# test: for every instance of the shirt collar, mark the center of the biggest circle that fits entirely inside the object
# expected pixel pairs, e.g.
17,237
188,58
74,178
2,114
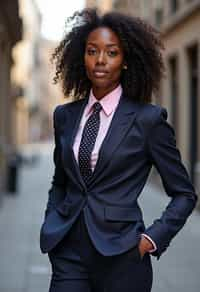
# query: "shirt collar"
109,102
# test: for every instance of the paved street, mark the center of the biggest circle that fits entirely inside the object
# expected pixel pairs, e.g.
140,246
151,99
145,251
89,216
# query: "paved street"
24,269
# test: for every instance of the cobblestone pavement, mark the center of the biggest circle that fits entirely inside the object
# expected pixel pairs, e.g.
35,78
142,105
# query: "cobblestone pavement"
24,269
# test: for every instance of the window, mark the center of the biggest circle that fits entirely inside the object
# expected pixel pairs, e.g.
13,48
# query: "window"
158,16
173,67
174,5
193,57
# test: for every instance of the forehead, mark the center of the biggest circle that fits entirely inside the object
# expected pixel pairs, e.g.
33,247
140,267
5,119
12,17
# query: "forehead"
103,35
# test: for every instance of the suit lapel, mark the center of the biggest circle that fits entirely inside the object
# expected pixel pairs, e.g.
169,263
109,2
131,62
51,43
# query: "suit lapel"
123,118
74,115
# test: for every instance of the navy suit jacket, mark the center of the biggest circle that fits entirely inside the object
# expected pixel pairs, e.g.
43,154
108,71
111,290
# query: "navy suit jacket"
138,137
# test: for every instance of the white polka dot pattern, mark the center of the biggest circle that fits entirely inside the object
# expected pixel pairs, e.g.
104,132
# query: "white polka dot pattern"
88,139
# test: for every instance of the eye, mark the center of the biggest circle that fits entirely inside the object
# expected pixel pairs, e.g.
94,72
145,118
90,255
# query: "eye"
91,51
112,53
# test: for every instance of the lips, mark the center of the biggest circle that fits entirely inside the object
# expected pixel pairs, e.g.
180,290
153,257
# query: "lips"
100,73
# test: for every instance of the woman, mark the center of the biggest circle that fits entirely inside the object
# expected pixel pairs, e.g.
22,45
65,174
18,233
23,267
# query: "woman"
106,142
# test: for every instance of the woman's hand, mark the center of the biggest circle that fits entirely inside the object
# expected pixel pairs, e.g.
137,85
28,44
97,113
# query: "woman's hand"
144,246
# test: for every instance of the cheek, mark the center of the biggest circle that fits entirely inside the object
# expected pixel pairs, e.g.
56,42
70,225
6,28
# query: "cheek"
87,62
89,65
117,64
116,69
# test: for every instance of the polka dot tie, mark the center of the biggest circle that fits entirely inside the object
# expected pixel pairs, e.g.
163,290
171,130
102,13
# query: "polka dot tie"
88,139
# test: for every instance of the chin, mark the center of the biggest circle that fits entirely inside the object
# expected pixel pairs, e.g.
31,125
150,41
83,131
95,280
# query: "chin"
101,83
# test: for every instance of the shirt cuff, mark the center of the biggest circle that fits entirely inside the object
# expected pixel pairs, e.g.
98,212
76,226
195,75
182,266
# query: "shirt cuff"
153,243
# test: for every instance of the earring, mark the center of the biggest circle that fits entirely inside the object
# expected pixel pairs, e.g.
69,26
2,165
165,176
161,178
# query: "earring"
125,67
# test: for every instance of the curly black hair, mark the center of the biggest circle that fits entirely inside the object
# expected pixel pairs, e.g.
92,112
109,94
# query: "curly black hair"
141,44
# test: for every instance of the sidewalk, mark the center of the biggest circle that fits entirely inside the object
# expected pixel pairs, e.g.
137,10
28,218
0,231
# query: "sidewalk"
24,269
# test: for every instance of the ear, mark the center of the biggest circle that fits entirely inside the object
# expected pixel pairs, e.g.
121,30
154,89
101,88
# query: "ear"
125,67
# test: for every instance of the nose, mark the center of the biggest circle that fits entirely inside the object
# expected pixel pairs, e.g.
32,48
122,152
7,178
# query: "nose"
101,58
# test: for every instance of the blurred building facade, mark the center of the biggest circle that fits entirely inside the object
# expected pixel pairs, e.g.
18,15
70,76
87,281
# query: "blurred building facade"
35,76
51,94
10,34
102,5
27,93
178,22
25,74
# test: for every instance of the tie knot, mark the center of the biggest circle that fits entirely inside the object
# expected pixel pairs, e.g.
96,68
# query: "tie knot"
97,107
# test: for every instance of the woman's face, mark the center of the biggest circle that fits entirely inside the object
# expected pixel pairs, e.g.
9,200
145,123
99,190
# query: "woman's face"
104,58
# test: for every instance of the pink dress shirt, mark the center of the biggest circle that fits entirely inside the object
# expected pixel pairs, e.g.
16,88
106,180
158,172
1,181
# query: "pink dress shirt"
109,104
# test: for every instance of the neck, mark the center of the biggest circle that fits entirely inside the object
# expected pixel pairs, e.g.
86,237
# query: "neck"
100,92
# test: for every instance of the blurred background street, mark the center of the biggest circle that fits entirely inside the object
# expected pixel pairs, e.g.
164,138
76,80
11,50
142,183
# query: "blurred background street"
29,32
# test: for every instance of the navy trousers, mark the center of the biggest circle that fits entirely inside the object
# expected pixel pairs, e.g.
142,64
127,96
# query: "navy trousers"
78,267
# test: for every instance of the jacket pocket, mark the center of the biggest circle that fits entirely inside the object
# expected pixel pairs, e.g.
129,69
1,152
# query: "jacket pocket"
122,214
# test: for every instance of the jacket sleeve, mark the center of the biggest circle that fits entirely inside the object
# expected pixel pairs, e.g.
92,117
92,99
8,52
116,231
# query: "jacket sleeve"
59,182
166,157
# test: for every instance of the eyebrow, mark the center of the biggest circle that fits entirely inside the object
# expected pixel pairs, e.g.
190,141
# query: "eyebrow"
108,45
